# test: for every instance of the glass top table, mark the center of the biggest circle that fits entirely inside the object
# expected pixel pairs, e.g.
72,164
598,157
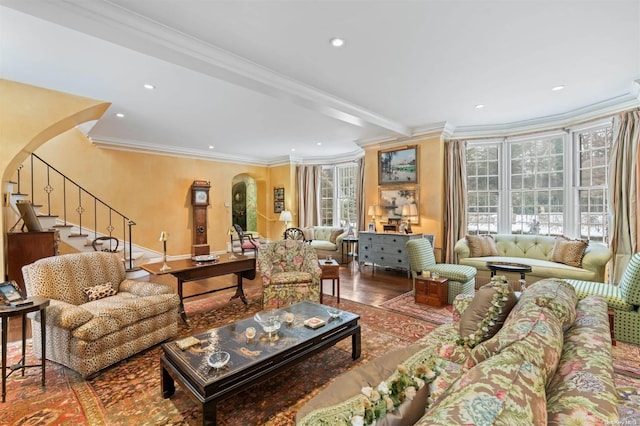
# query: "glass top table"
252,360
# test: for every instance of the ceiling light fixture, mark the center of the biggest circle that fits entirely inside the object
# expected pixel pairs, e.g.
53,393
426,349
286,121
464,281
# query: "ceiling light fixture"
557,88
479,106
210,146
319,143
293,149
149,86
337,42
120,115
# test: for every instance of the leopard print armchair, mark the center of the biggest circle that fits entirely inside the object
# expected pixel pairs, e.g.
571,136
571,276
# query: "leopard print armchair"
97,317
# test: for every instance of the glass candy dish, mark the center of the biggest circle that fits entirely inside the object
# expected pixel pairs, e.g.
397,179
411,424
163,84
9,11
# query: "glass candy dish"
218,359
270,321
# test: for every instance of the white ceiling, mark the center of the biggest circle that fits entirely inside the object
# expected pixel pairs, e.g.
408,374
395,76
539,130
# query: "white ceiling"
255,79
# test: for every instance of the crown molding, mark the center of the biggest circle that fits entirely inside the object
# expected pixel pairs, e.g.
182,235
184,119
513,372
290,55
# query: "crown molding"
591,112
118,25
146,148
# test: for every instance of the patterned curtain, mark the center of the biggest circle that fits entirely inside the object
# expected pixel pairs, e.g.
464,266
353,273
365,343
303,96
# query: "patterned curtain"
455,200
624,183
308,195
360,209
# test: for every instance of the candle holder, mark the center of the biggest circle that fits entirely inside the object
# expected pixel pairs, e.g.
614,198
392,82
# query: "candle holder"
164,237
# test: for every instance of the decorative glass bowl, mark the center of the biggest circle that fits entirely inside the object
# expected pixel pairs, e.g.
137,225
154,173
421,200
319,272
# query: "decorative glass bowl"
270,321
218,359
333,312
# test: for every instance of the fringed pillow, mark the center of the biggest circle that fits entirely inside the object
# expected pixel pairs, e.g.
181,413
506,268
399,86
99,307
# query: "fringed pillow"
482,245
570,252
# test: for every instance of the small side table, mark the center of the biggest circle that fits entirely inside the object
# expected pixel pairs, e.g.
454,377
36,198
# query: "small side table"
350,243
6,312
432,291
330,271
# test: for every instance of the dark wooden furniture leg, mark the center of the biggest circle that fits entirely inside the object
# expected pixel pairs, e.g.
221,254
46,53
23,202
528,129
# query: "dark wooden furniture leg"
43,341
4,357
240,290
356,344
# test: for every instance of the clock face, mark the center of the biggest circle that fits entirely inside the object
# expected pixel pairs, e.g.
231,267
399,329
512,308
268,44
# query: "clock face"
201,196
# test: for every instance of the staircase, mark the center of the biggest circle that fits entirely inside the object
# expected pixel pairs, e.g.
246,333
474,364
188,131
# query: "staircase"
84,217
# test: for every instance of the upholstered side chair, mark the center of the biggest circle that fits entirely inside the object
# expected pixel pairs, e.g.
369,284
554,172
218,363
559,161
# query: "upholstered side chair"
290,273
421,258
247,242
623,299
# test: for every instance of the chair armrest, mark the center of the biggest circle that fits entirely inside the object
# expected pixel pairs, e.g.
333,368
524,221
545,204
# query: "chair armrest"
65,315
595,259
462,249
144,288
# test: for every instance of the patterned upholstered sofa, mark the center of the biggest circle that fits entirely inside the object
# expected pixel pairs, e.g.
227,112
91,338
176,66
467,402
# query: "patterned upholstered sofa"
88,335
290,273
623,299
536,251
550,363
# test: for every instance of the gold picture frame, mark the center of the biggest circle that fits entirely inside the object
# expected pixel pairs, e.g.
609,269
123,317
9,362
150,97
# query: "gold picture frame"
398,166
391,200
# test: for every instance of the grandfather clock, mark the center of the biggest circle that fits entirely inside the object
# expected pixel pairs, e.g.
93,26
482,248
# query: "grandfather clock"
200,203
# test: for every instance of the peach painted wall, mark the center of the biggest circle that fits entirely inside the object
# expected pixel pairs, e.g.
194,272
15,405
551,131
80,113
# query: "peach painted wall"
430,181
29,116
283,176
154,190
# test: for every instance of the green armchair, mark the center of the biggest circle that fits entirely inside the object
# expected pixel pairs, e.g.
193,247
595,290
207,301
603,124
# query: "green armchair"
290,273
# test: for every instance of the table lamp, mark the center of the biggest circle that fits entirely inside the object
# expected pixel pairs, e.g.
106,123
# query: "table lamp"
164,236
285,216
409,211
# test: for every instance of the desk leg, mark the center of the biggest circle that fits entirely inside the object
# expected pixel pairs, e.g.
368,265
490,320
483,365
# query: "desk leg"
239,290
183,314
24,342
209,413
43,342
5,320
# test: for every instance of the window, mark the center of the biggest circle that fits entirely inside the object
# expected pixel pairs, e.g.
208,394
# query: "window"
338,195
550,184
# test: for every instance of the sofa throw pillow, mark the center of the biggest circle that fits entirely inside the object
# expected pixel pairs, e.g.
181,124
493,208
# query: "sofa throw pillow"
487,311
567,251
334,235
99,291
482,245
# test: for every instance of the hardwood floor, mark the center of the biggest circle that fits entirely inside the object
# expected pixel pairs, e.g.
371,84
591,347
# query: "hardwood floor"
364,285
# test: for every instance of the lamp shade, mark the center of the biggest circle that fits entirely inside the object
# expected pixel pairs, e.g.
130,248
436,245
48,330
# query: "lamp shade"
410,210
285,216
371,211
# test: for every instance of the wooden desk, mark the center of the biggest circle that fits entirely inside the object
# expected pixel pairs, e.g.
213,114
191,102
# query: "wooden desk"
186,270
6,312
330,271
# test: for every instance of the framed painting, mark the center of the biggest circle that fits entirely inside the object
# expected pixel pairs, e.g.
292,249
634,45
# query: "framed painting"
399,166
278,206
392,200
278,194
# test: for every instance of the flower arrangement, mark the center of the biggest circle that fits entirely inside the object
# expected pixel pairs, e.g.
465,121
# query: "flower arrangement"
500,284
401,386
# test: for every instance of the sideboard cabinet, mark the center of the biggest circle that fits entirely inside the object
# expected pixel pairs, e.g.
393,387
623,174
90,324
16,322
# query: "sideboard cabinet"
26,247
385,249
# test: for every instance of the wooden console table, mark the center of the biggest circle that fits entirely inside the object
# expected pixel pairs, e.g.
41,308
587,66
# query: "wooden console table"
186,270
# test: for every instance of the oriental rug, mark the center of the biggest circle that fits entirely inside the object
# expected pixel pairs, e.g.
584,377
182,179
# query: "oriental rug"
128,393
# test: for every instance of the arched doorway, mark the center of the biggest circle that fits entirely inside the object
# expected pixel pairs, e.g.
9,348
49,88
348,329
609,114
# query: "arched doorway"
244,202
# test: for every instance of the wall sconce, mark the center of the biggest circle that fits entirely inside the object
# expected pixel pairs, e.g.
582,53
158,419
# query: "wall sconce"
409,211
285,216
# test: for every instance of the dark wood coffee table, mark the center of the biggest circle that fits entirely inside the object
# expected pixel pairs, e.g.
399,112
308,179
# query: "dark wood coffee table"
186,270
252,360
518,268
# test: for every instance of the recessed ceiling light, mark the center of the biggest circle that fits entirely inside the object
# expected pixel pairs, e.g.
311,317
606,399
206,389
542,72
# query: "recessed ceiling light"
337,42
319,143
557,88
119,115
479,106
149,86
210,146
293,149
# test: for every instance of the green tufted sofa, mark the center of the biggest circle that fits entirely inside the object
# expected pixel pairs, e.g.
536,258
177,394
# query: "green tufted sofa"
535,251
550,363
87,335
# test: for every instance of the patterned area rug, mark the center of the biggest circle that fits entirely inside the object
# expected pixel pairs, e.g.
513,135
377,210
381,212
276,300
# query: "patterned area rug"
128,393
405,304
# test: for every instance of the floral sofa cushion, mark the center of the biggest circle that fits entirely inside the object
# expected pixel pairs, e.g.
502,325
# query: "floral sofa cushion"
583,386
